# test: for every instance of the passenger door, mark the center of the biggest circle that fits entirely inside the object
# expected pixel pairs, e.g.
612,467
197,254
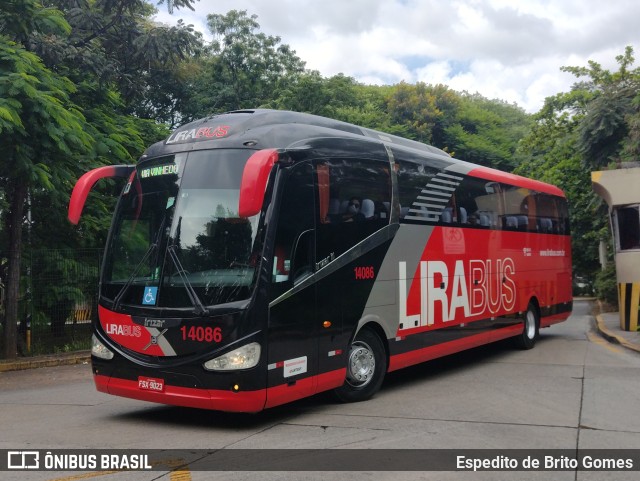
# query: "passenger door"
293,332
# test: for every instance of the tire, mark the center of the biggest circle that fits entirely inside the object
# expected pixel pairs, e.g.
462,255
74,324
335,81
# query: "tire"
527,339
366,367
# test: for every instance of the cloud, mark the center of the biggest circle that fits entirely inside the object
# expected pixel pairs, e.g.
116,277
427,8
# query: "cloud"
508,49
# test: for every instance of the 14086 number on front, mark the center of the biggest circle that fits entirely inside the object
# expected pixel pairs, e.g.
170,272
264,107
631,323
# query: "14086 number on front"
201,334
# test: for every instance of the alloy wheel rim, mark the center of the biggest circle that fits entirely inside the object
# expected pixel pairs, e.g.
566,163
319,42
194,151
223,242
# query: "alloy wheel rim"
531,325
362,364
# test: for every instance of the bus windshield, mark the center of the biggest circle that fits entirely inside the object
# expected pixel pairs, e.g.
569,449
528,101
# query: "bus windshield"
177,240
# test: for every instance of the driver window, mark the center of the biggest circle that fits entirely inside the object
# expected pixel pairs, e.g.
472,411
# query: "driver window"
295,238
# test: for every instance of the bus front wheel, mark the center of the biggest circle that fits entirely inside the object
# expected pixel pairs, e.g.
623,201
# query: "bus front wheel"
527,339
366,367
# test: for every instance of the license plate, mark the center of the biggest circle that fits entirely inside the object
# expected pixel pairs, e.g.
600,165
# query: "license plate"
150,384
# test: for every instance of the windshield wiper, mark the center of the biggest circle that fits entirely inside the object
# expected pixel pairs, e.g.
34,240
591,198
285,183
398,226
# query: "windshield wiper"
193,296
152,247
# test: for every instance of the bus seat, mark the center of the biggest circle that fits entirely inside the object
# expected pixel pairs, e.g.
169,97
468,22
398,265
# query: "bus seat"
463,216
511,222
382,210
546,225
368,209
334,206
523,222
446,216
387,209
333,213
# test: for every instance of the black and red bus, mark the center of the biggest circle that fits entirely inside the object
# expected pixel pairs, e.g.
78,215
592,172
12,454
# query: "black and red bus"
258,257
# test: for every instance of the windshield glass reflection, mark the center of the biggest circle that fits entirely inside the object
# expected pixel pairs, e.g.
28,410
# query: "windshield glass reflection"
188,204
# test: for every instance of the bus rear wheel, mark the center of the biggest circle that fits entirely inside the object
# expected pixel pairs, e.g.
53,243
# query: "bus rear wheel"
527,339
366,367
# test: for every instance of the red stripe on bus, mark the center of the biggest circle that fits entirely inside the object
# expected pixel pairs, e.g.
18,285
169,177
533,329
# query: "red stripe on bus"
331,379
222,400
410,358
302,388
242,401
554,319
499,176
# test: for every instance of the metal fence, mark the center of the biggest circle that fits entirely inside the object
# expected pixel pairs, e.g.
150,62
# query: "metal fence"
58,300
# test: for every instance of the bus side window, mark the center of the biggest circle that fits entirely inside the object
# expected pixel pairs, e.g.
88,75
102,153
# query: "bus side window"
357,196
302,255
413,178
478,203
553,215
515,211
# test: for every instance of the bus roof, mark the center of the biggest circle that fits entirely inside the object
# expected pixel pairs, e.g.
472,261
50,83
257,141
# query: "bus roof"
263,128
513,179
279,129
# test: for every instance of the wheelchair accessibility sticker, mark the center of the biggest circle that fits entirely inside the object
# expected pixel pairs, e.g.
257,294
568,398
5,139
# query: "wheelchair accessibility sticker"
149,297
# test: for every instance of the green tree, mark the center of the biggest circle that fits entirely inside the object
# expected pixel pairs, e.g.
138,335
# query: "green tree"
19,19
71,74
415,107
470,127
41,130
360,104
305,93
243,68
116,44
484,131
631,146
172,4
608,132
339,97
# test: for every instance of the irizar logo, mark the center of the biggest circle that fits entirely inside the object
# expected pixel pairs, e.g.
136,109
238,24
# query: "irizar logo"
477,288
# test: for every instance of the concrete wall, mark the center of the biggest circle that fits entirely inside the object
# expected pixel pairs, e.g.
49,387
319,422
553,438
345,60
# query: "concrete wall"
618,188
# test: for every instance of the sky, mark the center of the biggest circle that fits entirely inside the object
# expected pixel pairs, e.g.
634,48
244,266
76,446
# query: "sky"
503,49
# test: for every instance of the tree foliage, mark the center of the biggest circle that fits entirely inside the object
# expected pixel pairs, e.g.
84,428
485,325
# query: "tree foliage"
609,130
67,92
593,126
40,130
549,153
243,67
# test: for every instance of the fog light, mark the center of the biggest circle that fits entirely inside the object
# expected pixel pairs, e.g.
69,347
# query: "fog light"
244,357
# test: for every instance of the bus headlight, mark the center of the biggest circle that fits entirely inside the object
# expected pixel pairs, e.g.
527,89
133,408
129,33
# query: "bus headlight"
100,350
244,357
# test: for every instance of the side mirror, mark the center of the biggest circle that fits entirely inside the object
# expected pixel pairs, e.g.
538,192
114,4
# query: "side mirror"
87,181
254,181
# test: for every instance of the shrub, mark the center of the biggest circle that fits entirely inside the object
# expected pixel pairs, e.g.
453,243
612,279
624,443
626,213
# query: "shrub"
606,285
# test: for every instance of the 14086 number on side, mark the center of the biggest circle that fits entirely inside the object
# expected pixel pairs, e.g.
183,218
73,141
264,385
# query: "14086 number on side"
201,334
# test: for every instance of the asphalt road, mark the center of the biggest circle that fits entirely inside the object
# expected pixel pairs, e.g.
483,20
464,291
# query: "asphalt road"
573,390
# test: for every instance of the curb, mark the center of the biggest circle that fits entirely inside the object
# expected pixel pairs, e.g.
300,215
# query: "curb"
614,338
80,357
